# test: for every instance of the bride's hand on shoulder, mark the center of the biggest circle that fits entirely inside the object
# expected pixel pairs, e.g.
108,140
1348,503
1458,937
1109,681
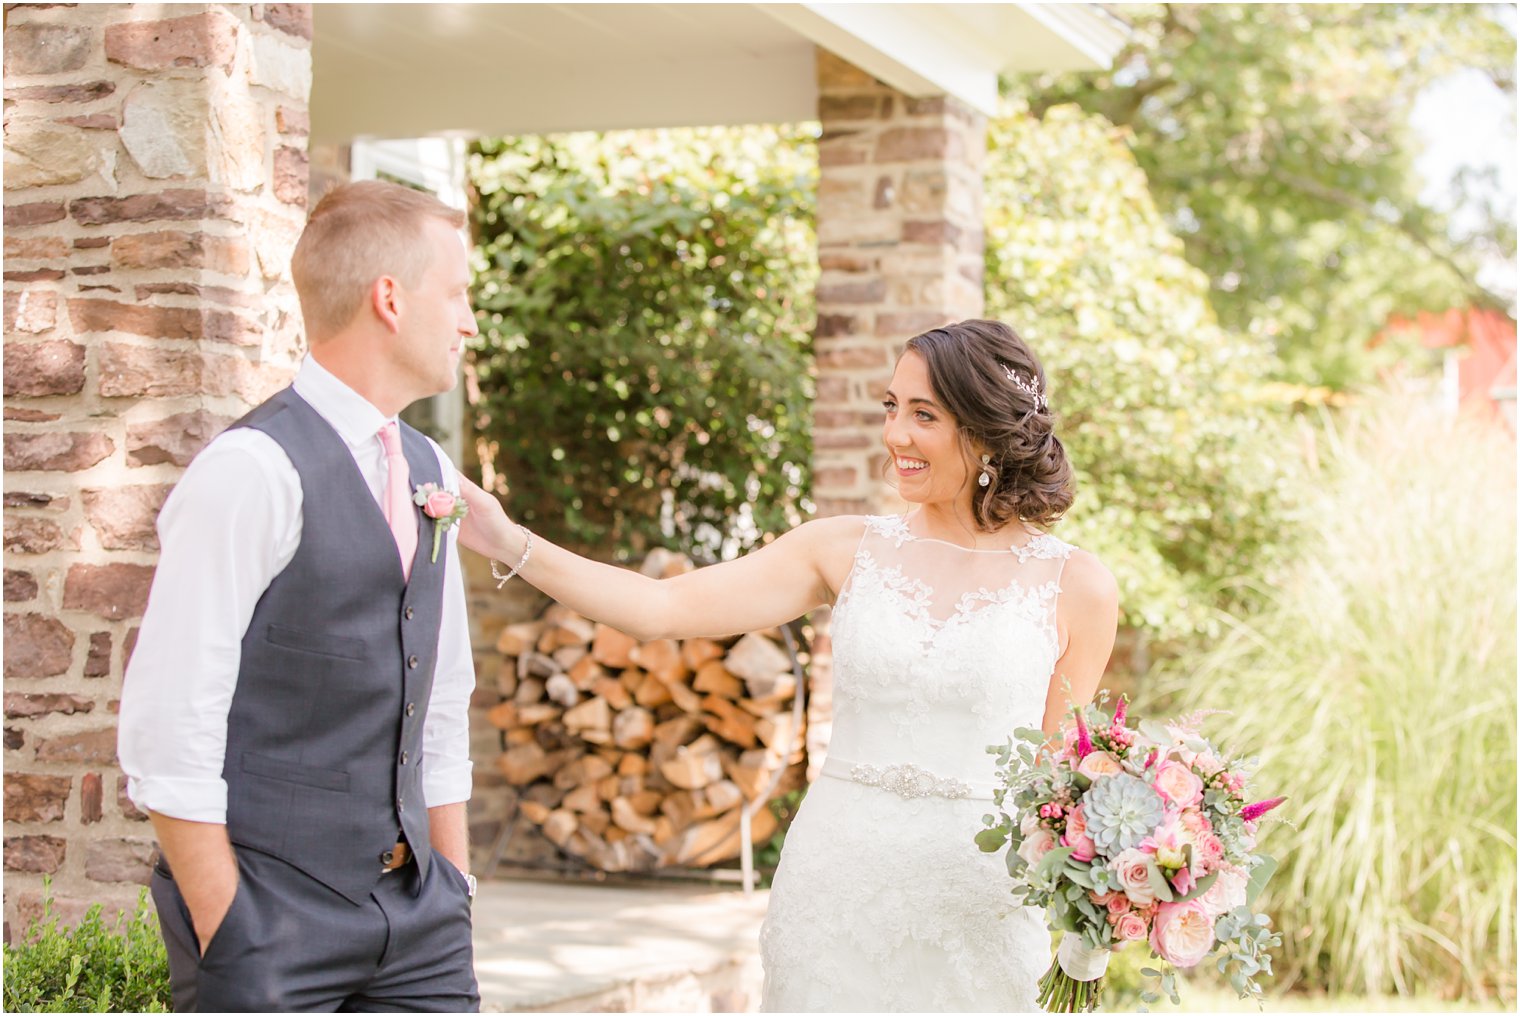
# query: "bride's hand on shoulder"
485,528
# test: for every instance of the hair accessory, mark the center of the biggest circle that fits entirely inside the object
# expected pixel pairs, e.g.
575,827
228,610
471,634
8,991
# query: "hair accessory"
527,550
1030,387
986,477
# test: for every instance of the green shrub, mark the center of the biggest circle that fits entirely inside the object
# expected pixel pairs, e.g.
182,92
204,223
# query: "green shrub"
645,302
90,968
1378,687
1175,441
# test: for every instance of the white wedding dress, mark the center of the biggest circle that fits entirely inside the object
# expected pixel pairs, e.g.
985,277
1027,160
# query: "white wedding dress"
883,902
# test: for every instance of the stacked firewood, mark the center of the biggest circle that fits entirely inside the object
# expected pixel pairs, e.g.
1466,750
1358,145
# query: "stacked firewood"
635,755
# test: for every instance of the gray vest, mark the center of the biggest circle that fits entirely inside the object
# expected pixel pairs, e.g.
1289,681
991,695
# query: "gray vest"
324,737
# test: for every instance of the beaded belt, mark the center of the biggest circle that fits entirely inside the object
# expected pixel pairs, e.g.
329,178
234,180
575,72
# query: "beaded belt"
905,780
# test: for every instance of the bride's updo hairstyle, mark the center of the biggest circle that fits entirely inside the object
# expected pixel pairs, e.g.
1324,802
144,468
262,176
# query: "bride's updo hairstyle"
992,383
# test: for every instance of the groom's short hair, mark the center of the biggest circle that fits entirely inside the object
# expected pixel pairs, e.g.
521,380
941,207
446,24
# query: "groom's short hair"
357,233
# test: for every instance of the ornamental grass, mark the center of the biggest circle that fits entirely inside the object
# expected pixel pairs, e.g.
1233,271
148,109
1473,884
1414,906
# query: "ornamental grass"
1381,677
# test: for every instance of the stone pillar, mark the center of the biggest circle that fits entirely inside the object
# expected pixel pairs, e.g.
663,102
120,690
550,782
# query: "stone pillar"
155,183
900,246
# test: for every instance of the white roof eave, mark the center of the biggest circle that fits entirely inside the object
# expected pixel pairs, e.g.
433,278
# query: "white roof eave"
958,49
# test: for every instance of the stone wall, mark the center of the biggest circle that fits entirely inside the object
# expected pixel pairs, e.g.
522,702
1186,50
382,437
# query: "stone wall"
155,184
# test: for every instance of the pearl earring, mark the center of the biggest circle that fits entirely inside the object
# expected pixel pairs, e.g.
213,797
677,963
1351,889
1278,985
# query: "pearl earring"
986,478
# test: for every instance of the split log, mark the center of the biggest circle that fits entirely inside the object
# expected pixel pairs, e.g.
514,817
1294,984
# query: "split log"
633,755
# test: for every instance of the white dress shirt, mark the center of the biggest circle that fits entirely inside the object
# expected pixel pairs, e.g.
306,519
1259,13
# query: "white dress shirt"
228,529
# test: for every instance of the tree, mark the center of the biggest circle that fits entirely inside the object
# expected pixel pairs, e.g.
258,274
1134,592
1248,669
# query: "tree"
1178,449
1277,141
643,369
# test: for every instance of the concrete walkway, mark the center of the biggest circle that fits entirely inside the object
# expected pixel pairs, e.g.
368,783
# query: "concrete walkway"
572,947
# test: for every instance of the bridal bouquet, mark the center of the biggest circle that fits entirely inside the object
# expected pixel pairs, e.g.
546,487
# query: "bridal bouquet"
1133,835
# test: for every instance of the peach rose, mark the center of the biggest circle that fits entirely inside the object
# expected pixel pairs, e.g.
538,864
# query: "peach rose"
1130,928
1179,784
1183,933
1099,763
1036,845
1132,869
1118,904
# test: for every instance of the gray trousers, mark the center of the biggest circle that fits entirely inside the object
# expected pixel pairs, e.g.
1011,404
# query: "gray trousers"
290,944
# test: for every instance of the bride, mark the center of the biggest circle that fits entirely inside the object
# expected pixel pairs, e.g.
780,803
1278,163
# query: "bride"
953,624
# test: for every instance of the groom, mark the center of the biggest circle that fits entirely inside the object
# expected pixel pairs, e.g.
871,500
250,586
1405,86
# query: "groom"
294,717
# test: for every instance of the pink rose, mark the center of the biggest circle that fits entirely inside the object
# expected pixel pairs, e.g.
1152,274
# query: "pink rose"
1179,784
1227,892
1084,849
1099,763
1130,928
1036,845
1118,904
1132,870
440,504
1183,933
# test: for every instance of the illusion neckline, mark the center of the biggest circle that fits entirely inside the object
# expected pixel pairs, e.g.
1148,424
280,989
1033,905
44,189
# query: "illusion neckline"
1020,549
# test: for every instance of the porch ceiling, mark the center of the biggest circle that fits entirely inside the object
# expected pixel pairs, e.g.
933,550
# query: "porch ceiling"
418,70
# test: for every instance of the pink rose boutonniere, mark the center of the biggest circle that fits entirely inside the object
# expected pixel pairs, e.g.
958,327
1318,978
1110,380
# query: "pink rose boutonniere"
445,509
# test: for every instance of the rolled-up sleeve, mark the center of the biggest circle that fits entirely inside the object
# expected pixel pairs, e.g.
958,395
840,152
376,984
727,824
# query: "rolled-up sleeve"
228,528
446,765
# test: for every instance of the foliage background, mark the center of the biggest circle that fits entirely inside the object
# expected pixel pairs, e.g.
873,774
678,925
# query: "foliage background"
1176,441
646,307
1276,139
1377,686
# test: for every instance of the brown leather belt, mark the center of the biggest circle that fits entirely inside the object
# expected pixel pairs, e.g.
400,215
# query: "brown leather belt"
395,857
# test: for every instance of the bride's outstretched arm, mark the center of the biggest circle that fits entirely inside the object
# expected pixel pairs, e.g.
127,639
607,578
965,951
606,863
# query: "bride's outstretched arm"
1088,612
770,586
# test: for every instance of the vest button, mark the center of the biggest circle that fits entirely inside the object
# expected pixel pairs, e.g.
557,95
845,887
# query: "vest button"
404,757
411,708
398,803
387,857
409,613
411,662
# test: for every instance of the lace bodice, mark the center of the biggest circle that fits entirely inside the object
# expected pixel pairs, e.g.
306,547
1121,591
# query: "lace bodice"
940,651
882,901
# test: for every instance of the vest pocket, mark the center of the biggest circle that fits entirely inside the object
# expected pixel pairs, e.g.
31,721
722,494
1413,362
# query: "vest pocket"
319,643
290,772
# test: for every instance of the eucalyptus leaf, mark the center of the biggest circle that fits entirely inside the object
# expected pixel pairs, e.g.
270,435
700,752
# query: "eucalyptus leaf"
992,839
1260,874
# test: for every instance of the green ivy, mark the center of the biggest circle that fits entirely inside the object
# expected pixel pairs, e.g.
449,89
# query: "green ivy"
90,968
645,303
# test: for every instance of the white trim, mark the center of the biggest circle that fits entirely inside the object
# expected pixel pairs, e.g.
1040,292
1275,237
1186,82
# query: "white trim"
957,49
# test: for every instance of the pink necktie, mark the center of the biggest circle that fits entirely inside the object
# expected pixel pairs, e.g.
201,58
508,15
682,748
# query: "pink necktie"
398,497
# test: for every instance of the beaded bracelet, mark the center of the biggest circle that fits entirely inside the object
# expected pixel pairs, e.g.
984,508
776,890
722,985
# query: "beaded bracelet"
527,549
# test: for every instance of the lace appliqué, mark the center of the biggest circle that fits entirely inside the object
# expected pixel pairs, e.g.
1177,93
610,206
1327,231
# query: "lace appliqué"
893,527
1042,547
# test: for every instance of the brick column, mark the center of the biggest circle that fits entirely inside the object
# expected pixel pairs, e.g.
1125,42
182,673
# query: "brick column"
900,244
155,183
